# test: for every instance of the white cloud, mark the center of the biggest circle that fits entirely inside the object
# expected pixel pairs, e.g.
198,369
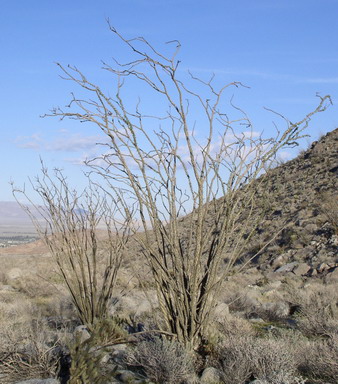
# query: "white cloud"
65,142
29,142
73,143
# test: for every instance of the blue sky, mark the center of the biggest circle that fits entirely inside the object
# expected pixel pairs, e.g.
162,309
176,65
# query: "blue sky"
285,51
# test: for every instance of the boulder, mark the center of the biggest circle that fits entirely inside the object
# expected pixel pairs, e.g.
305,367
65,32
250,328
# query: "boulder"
211,375
287,267
322,267
279,309
332,276
82,333
119,353
301,269
302,254
313,272
279,261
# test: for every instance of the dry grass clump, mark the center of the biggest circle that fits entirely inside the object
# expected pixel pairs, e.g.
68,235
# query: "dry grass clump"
311,351
15,309
162,361
268,360
28,297
235,326
274,362
329,208
318,313
273,311
27,350
254,303
243,301
3,278
319,359
242,355
230,326
34,286
233,359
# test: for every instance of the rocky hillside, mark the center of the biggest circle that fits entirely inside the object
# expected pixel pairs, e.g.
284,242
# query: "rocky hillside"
303,199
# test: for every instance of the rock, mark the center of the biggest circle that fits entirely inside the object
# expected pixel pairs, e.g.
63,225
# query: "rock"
119,353
125,376
272,276
287,267
301,269
39,381
332,276
275,284
211,375
322,267
82,333
256,320
334,240
280,309
279,261
137,303
301,254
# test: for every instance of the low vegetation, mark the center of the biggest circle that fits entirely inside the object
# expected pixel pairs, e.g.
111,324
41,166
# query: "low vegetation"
43,337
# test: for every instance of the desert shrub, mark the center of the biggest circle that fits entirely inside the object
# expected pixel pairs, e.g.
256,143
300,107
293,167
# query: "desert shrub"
72,225
162,361
274,311
3,278
329,208
232,326
33,286
320,359
27,350
318,314
273,362
244,302
150,173
253,303
247,358
233,359
221,333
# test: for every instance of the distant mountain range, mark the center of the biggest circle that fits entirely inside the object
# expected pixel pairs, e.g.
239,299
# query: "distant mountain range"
14,220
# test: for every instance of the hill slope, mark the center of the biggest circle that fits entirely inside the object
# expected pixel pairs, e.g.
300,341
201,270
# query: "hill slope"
303,193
